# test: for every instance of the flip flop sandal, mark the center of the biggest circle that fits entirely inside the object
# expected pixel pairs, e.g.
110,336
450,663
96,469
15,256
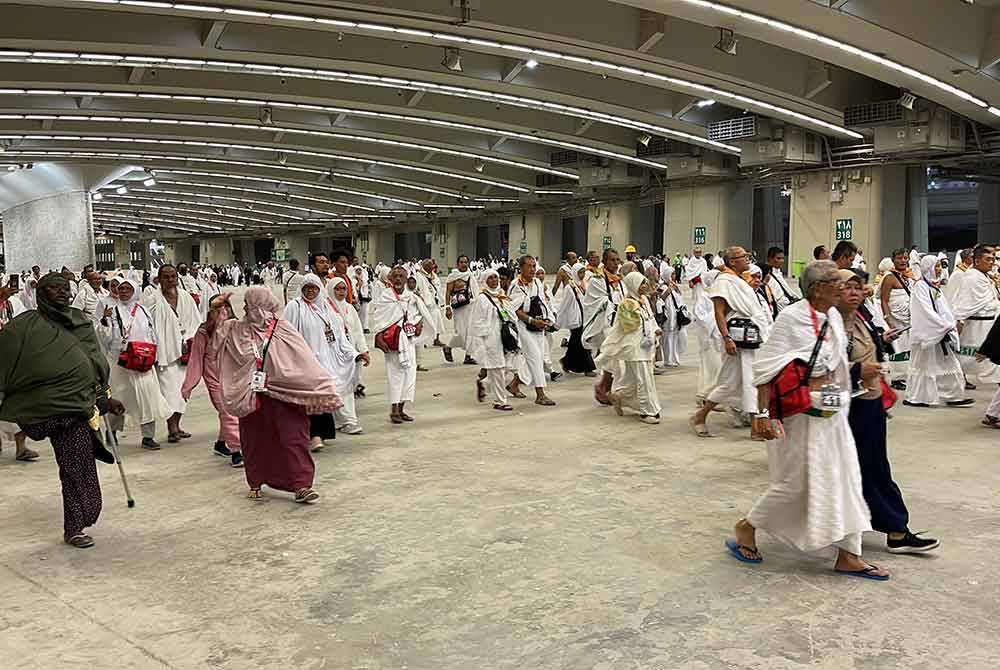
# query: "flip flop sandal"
405,417
26,455
395,418
700,429
183,434
306,496
173,438
255,494
447,355
737,549
80,541
991,422
516,394
866,573
503,408
546,402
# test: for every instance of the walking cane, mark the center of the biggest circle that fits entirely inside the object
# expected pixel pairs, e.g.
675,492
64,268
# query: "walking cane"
112,441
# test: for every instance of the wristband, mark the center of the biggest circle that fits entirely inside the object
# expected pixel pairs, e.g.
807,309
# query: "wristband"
727,337
762,414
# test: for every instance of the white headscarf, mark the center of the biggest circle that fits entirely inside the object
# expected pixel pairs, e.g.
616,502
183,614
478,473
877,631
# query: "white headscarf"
930,315
927,263
495,292
139,327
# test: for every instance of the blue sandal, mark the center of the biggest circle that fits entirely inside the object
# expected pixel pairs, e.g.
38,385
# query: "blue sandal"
734,548
864,574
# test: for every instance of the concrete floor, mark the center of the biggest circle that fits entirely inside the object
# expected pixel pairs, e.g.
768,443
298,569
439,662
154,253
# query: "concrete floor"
548,538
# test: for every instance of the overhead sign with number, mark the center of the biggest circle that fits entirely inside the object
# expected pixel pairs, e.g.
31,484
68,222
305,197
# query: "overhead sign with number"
844,229
699,235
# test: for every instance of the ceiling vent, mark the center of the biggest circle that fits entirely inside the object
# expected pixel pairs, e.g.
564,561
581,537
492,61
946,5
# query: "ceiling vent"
571,158
874,114
660,146
733,129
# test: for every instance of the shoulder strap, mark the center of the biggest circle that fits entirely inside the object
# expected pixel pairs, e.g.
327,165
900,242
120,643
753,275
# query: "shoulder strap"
815,352
902,283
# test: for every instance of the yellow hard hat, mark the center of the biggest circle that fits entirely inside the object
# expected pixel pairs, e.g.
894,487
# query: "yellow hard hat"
630,249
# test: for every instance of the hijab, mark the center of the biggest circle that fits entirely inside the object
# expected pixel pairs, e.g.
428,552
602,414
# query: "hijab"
633,280
497,292
294,375
927,263
59,367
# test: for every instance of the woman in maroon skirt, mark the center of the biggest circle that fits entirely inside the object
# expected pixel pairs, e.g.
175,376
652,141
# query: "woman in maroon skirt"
272,382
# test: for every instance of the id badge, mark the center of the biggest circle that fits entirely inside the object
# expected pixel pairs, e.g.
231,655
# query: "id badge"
329,335
258,381
830,398
409,329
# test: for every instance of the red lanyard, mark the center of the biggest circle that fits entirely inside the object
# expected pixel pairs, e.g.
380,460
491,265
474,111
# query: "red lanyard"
815,320
316,312
267,343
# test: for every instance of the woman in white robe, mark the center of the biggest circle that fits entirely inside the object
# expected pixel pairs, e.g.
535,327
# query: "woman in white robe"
631,344
673,342
397,306
138,391
526,291
326,334
708,336
814,499
209,287
363,290
935,373
550,303
489,311
461,288
355,329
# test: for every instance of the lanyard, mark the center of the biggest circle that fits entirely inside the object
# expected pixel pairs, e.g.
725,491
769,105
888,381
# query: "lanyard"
126,332
815,323
316,312
253,342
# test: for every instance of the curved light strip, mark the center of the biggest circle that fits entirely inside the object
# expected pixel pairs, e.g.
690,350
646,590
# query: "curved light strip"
138,222
12,55
245,189
244,199
167,120
286,182
205,207
72,153
564,59
197,227
114,216
836,44
105,202
282,150
349,111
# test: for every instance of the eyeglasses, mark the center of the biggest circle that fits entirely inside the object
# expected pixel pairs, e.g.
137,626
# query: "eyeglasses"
739,258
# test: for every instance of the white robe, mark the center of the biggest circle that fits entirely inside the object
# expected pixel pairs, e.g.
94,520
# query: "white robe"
138,391
978,298
673,342
532,368
172,330
88,300
781,289
484,332
600,303
400,366
462,317
814,498
934,376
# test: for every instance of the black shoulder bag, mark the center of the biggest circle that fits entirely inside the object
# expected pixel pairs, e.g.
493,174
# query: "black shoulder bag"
508,334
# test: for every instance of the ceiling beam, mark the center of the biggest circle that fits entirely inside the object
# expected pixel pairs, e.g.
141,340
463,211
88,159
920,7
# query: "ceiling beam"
817,79
652,28
414,99
511,73
211,32
990,54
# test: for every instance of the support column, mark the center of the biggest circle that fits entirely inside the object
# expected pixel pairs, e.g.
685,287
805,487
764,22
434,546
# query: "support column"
445,245
711,217
50,232
123,253
296,246
610,226
870,205
916,207
989,212
525,235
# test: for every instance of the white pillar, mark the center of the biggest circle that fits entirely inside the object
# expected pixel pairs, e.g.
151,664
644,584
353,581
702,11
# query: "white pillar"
49,232
711,217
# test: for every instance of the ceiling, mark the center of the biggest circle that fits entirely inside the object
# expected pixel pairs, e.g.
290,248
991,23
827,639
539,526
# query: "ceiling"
261,116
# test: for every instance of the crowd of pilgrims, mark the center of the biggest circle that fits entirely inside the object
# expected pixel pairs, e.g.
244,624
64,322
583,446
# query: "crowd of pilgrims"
813,367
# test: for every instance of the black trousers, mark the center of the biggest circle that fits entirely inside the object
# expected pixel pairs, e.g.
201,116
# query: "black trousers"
577,359
885,501
322,426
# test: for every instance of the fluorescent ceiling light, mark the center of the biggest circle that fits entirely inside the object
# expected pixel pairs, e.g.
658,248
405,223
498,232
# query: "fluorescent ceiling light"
580,62
271,150
121,190
531,63
705,103
429,87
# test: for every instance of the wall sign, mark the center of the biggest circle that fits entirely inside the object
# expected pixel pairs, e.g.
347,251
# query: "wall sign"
699,235
606,242
524,247
844,229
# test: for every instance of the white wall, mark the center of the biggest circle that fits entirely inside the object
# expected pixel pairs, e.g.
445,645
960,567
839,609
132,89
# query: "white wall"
50,232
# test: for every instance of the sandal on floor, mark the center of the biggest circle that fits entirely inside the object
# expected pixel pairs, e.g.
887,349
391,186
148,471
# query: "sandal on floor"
173,438
405,417
183,434
26,455
545,402
480,391
395,418
255,494
80,541
866,573
447,354
700,429
737,549
515,394
503,408
991,421
306,496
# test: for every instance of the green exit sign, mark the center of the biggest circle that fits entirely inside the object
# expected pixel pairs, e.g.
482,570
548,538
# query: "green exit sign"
844,229
606,242
699,235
